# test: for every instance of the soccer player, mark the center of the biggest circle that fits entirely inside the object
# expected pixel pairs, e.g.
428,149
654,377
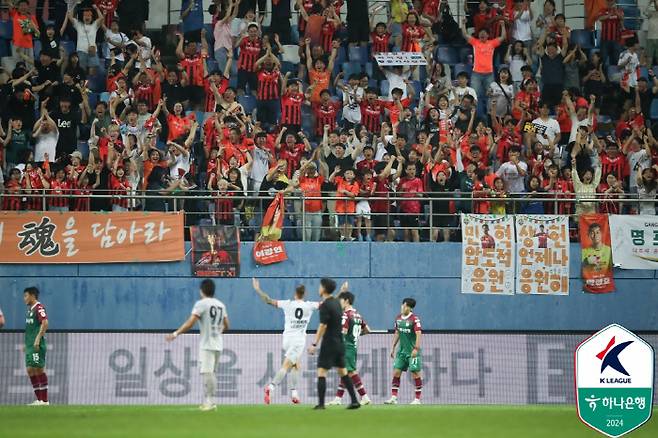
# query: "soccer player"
36,324
213,321
297,314
408,334
332,351
353,327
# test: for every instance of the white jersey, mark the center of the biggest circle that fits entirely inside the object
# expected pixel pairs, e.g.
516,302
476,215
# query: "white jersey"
297,316
211,313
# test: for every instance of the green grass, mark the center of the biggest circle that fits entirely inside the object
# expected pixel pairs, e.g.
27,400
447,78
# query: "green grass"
298,422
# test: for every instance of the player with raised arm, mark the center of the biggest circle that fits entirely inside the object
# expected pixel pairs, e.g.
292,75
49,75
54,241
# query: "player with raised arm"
297,314
332,351
408,334
353,327
36,324
213,321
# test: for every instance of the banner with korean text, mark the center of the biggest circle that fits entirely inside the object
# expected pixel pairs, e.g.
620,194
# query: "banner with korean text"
487,254
634,241
385,59
86,237
596,253
542,258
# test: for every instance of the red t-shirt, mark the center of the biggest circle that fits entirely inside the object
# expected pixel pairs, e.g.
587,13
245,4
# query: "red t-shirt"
178,125
348,205
483,55
410,188
312,187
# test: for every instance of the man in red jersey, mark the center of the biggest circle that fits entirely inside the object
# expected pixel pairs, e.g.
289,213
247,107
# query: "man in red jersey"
291,104
193,66
411,187
268,94
250,46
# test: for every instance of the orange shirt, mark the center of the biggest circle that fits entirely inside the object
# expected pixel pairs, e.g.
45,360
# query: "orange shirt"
322,78
349,205
483,55
20,22
312,187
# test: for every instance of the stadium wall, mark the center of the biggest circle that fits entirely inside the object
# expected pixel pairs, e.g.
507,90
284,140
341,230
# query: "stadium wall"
160,295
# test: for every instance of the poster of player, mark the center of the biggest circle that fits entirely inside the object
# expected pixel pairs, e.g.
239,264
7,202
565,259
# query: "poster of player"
215,251
487,254
542,257
596,253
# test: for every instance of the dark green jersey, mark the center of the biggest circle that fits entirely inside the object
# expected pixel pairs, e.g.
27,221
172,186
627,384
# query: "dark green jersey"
353,325
407,327
33,319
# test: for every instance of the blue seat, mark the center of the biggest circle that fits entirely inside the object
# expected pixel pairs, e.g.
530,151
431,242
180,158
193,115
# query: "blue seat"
466,55
350,68
614,74
212,65
93,100
644,72
373,83
462,68
6,30
654,110
341,56
383,87
69,46
105,97
248,102
418,88
358,54
37,47
583,37
288,67
210,36
446,55
368,69
97,83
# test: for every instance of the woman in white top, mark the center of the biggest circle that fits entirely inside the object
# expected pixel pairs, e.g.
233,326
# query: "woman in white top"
647,186
116,41
516,57
501,92
222,33
86,30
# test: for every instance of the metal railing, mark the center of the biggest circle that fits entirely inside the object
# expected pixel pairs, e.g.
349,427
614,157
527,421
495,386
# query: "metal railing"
392,223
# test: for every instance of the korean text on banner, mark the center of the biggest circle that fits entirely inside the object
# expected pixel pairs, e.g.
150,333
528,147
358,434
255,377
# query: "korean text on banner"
634,241
86,237
400,58
542,258
487,254
215,251
596,253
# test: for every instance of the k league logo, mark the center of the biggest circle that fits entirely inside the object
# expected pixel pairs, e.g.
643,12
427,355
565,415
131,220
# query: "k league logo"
614,381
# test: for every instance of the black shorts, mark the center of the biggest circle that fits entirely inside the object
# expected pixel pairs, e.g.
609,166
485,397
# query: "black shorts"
331,355
380,223
196,95
410,220
357,31
247,77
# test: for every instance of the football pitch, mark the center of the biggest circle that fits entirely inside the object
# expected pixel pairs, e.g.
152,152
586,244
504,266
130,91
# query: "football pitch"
298,421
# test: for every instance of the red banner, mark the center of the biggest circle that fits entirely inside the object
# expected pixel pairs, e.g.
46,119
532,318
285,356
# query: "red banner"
86,237
267,252
267,248
596,253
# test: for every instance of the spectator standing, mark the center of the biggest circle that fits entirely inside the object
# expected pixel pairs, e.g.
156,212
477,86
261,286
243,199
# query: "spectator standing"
647,187
585,186
86,43
513,172
522,30
483,52
612,23
310,183
411,186
357,22
25,30
552,75
191,15
651,50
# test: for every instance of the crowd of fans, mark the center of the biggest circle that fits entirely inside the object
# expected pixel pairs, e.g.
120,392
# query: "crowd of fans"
509,114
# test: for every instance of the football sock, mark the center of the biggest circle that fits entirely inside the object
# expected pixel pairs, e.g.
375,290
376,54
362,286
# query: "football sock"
209,386
322,389
395,386
36,382
278,377
43,387
419,386
356,379
341,390
347,383
294,378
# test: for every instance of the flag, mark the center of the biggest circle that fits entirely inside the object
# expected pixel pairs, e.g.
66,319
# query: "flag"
596,253
267,247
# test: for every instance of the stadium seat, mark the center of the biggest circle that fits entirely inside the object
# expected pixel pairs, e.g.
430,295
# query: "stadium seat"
583,37
654,110
248,102
37,47
105,97
373,83
210,36
644,72
383,87
212,65
368,69
350,68
341,56
69,46
466,55
446,55
6,30
93,100
614,74
97,82
418,88
288,67
462,68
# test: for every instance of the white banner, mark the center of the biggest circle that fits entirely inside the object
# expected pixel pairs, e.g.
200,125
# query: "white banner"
487,254
634,241
542,258
400,58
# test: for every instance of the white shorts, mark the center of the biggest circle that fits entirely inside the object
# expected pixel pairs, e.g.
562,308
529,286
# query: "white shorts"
363,209
294,348
209,361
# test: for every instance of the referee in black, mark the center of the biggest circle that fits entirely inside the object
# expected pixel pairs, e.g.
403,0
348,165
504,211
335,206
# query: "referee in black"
332,351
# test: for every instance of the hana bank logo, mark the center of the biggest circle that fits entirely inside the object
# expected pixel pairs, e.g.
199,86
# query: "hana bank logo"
609,357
